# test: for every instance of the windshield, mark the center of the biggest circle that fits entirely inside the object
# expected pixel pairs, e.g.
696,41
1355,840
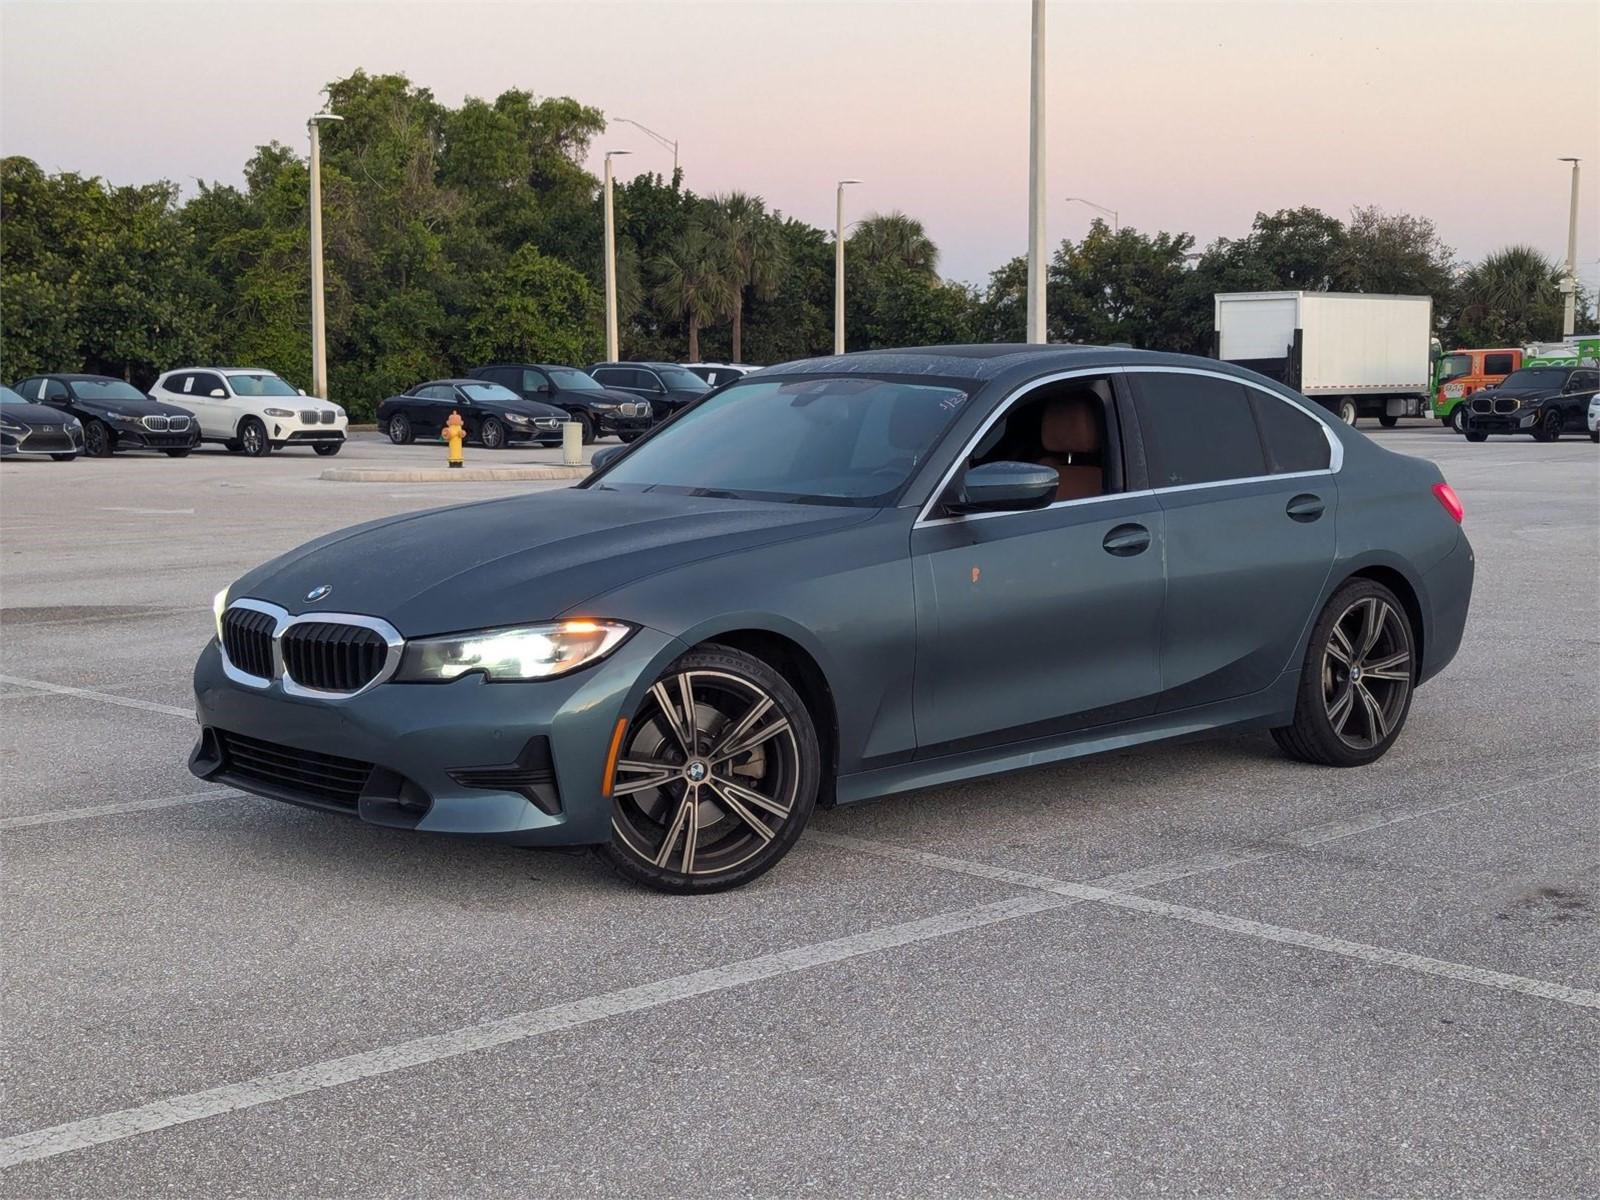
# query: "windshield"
7,396
106,389
1453,365
570,380
490,393
679,380
1536,377
264,384
850,440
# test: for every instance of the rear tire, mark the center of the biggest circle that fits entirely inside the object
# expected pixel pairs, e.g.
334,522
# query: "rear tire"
400,430
688,815
1548,427
1356,682
1348,413
253,438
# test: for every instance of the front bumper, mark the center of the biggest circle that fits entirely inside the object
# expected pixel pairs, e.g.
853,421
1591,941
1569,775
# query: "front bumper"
1518,422
612,421
39,443
136,438
422,739
1447,592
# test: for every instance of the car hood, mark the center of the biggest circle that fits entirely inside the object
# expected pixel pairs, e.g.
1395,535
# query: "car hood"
527,408
34,414
525,558
132,408
604,396
1520,392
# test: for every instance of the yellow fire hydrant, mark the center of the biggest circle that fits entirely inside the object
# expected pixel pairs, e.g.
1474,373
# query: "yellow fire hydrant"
455,433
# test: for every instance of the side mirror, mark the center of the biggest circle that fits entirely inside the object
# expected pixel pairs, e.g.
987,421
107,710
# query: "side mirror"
604,458
219,394
302,391
1004,487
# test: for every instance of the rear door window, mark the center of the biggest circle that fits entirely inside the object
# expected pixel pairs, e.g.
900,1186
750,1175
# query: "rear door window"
1584,381
205,383
1499,364
1293,440
1196,429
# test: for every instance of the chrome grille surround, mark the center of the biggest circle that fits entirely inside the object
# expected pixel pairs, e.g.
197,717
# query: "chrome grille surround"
283,620
155,423
1507,405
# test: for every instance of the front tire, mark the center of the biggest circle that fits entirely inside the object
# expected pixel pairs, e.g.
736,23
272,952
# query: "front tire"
183,453
97,439
253,438
1476,435
328,449
493,434
585,428
1548,428
718,774
1356,682
63,457
1458,418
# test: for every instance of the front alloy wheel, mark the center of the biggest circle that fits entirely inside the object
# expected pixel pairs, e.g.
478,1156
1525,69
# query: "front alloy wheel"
716,778
253,438
493,434
1549,427
1355,685
97,440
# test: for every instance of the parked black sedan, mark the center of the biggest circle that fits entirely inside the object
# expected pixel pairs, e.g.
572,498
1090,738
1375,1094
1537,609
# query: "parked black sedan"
115,415
34,431
667,387
494,416
598,410
1544,402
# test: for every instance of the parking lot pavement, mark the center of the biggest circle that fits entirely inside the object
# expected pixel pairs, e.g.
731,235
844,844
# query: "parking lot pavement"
1196,968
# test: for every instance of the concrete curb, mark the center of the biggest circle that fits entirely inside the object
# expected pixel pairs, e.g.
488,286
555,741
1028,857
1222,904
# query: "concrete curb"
446,475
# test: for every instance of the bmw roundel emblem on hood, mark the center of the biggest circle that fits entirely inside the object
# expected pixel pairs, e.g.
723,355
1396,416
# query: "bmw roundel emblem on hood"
319,593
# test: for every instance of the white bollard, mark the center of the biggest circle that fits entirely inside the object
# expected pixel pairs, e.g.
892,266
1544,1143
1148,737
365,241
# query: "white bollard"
571,443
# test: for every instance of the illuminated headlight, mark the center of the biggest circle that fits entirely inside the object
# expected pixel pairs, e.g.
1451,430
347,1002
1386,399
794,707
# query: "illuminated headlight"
518,419
525,652
219,605
278,412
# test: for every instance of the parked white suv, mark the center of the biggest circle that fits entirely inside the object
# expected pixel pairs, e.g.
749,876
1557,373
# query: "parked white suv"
253,412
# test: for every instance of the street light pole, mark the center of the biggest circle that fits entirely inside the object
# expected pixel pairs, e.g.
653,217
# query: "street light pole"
1116,223
1569,285
662,140
611,264
838,267
319,320
1036,265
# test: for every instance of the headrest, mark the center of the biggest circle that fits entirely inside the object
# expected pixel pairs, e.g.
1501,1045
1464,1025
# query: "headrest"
1071,424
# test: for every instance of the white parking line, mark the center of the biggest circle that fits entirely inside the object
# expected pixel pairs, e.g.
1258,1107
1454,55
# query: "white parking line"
196,1106
39,685
29,820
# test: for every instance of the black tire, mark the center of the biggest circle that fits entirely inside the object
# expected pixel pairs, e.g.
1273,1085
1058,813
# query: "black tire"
729,837
1346,712
328,449
183,453
1594,435
1388,422
1458,418
1548,427
400,432
1476,435
232,446
98,440
253,441
1348,412
493,434
586,425
628,439
63,457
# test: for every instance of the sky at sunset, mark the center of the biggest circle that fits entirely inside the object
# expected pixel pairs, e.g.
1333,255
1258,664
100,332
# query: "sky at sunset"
1186,116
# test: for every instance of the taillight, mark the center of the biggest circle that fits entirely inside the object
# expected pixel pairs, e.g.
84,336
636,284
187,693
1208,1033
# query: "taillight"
1446,495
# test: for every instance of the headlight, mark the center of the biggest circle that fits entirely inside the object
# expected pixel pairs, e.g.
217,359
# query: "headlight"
337,411
517,418
526,652
219,605
125,419
278,412
11,426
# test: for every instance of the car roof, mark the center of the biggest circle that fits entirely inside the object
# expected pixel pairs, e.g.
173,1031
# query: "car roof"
79,375
986,362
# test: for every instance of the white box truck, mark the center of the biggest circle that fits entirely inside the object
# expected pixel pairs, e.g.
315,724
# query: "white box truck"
1355,354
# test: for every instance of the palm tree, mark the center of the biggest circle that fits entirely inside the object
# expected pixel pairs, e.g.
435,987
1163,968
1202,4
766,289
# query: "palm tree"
1512,296
755,252
694,281
894,238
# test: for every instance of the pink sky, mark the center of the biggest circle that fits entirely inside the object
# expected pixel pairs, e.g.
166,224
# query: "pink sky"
1182,116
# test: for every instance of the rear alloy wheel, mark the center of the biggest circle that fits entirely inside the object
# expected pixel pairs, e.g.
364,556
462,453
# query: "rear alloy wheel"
1355,686
253,438
400,429
493,434
1548,427
1458,418
97,440
1347,411
717,775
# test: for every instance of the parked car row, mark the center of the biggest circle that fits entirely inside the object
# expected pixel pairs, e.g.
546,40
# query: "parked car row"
1543,402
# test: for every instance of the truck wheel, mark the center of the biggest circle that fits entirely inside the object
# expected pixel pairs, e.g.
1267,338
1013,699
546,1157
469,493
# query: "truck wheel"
1347,411
1548,428
1458,418
1388,422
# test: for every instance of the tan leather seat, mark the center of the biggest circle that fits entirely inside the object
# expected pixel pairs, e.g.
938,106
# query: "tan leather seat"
1069,433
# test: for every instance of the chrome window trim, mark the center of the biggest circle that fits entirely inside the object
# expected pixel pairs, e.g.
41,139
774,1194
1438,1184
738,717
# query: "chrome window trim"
1335,446
284,620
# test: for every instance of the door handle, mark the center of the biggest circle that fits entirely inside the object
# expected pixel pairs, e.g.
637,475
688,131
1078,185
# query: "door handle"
1305,508
1127,540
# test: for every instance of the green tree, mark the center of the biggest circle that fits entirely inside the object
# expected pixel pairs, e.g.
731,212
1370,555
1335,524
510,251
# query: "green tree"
755,252
694,281
538,309
1511,297
1120,286
881,239
1393,254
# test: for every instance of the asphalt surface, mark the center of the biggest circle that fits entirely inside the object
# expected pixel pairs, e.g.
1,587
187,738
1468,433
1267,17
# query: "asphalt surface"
1192,969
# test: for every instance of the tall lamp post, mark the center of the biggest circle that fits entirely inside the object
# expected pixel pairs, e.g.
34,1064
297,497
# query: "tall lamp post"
611,263
319,319
662,140
1116,224
1569,285
838,267
1036,200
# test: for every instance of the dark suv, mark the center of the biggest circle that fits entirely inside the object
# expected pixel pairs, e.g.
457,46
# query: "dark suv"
115,414
599,410
1542,401
666,386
